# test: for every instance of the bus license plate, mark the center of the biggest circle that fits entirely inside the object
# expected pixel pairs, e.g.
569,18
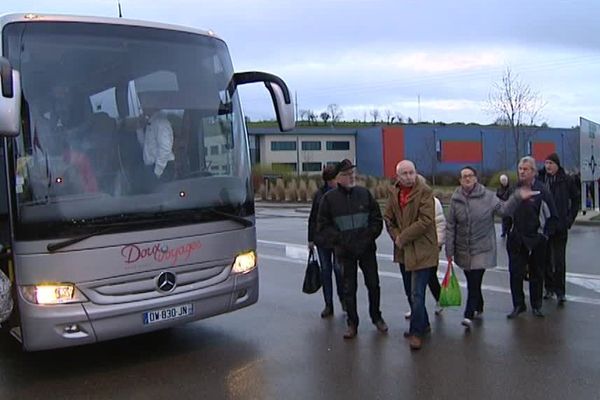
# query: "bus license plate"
168,313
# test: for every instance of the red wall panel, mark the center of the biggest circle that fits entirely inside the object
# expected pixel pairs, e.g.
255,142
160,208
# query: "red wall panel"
393,149
461,151
541,150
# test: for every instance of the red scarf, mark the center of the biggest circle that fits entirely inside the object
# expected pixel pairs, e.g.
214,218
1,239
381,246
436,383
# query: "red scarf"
403,194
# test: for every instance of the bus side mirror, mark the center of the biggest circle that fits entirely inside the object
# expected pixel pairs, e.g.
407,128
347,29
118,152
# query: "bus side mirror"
10,99
280,95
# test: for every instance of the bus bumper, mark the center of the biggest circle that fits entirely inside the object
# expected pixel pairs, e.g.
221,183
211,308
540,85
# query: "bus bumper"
47,327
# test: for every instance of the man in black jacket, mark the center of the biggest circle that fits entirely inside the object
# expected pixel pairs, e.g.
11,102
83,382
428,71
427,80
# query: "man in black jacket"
350,220
533,222
326,256
566,195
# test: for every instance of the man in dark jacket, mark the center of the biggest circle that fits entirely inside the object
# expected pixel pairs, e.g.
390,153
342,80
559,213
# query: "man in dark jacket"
565,193
326,256
533,222
350,220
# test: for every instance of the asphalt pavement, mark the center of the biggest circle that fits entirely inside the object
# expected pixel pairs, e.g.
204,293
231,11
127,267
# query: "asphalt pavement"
281,349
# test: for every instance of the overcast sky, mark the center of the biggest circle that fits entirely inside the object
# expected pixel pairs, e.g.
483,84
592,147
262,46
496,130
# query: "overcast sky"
388,54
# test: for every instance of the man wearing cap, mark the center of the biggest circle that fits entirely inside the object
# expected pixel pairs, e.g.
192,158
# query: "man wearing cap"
503,193
326,256
349,219
567,200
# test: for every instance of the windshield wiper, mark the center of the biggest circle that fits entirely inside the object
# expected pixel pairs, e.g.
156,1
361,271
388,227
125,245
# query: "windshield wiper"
52,247
241,220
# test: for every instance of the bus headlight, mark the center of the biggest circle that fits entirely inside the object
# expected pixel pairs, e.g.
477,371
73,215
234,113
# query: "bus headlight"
244,262
52,293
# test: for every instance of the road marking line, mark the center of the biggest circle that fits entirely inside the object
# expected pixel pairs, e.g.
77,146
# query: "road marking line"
396,275
300,252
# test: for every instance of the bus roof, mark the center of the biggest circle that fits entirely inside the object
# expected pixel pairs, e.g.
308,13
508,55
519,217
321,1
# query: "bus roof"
32,17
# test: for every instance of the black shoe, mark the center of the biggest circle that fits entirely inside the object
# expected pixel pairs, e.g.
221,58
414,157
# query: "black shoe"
561,299
516,311
381,326
351,332
548,294
537,312
327,312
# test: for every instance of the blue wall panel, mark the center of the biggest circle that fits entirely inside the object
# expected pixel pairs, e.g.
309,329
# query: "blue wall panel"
369,151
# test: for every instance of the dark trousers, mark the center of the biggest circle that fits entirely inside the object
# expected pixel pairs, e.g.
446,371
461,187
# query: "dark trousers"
368,265
519,257
329,264
555,271
433,283
474,295
506,225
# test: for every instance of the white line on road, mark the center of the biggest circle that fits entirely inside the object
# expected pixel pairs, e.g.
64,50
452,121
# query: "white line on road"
300,252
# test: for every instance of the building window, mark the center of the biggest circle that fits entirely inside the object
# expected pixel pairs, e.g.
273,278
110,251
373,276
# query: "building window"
214,150
283,167
311,145
311,166
283,145
338,145
332,163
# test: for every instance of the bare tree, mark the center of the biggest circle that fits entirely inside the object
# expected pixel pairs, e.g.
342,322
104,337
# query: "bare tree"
375,114
514,102
388,116
311,116
303,114
325,116
335,112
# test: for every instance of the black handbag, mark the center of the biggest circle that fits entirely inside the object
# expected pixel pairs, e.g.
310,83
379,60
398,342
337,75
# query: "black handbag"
312,276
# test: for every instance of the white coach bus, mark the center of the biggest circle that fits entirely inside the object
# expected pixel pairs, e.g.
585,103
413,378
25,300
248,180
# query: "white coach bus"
126,202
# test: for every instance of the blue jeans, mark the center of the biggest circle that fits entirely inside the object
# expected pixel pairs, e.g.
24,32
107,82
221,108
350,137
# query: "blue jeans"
419,320
328,264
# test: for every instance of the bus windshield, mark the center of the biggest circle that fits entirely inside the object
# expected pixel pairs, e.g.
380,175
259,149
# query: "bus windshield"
123,123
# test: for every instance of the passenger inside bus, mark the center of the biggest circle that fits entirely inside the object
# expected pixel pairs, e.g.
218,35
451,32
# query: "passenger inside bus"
156,138
59,127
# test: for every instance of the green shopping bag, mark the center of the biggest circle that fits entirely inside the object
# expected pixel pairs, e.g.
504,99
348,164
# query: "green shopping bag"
450,293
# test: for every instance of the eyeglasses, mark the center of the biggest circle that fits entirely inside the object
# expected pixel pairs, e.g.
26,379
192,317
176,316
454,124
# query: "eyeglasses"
347,173
469,176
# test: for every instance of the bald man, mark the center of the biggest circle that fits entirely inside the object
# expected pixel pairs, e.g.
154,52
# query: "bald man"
410,220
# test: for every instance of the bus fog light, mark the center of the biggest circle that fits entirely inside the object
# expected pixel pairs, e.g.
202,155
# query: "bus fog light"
51,294
74,328
244,262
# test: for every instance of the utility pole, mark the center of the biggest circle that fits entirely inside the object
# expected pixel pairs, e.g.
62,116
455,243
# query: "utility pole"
296,104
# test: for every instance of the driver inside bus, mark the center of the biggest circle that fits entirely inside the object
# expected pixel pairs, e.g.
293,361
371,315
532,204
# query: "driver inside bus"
155,135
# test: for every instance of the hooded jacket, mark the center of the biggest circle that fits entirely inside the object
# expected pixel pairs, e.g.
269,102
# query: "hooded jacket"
566,195
414,225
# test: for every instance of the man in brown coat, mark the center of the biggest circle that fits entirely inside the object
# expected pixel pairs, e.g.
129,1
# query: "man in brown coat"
410,221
